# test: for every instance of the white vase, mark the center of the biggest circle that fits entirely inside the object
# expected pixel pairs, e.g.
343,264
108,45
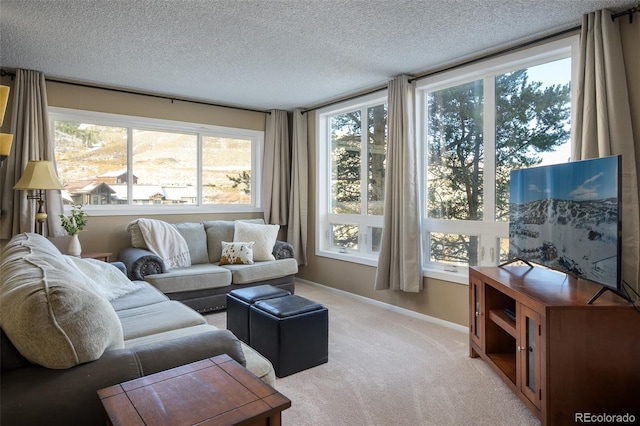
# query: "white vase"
74,248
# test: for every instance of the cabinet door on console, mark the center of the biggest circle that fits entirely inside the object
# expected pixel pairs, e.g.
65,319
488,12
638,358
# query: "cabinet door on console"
476,304
529,354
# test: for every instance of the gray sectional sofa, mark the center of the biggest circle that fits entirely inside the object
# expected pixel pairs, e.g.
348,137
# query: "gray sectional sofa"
204,284
73,326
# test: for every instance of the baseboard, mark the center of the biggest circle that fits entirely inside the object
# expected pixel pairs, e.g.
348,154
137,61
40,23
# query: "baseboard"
391,307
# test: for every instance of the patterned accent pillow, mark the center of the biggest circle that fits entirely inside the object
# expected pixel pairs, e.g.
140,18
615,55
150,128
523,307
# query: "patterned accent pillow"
237,253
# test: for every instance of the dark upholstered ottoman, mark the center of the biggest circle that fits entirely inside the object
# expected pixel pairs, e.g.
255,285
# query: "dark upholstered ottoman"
238,302
292,332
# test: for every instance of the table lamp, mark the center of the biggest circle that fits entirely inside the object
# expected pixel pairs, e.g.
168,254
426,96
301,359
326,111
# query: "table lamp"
39,176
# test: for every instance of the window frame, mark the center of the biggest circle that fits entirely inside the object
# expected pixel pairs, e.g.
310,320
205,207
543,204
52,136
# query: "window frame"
162,125
325,219
487,70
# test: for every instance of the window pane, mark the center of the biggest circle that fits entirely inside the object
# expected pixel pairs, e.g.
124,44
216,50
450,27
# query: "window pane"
376,238
226,170
344,236
345,163
453,249
533,109
455,152
164,168
377,143
91,160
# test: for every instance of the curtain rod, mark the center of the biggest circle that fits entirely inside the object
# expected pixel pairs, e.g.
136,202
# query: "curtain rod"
4,73
523,45
498,53
460,65
629,12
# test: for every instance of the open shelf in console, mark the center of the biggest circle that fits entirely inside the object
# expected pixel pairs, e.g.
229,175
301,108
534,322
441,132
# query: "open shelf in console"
499,317
500,332
495,303
506,363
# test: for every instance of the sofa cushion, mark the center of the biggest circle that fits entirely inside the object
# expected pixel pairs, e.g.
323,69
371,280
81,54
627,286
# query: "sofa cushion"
195,277
167,335
146,295
259,271
237,253
264,236
157,318
50,315
196,238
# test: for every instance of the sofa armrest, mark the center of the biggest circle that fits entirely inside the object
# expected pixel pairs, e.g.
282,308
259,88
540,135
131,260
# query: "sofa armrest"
38,395
140,263
282,250
167,354
121,266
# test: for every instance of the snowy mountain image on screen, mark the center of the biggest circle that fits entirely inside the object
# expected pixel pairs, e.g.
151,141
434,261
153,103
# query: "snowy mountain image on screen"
566,217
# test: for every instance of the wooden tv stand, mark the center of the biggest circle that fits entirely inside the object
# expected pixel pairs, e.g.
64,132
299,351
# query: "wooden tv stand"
561,356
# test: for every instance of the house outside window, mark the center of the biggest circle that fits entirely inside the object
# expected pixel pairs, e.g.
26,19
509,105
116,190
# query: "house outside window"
352,140
120,163
476,124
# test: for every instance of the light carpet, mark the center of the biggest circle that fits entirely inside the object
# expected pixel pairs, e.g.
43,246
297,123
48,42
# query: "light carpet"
388,368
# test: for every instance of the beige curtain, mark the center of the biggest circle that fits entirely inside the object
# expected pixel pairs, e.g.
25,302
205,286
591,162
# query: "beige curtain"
399,262
605,122
298,199
276,170
630,37
31,141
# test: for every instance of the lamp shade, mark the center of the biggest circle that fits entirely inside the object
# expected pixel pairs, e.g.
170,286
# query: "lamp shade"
4,97
39,175
5,144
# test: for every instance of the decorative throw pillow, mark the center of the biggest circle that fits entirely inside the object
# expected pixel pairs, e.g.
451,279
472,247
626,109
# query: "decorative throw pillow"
237,253
263,235
137,240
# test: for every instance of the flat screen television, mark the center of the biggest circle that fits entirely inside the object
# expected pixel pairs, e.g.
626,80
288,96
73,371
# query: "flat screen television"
567,217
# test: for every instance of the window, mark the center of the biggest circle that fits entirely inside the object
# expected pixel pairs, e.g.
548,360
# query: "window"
351,147
128,162
476,125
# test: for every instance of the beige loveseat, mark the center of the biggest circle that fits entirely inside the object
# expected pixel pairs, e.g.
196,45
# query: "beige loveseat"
72,326
204,283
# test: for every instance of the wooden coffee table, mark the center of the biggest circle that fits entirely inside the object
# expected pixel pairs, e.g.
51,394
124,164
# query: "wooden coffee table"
214,391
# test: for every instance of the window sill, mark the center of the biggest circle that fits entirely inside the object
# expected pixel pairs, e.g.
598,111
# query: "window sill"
454,277
151,210
349,257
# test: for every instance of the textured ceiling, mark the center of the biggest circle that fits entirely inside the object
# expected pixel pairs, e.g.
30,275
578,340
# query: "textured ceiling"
267,54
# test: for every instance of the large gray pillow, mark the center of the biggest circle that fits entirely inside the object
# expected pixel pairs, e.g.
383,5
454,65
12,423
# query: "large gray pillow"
196,239
219,231
51,316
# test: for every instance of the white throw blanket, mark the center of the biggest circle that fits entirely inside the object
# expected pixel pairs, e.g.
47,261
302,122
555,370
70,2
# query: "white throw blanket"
103,277
163,239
